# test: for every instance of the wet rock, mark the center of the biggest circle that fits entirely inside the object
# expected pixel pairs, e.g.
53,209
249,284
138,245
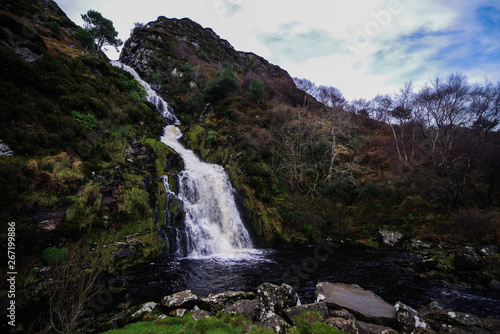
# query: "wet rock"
145,308
494,284
200,314
491,324
419,244
293,312
466,258
489,250
458,318
125,253
131,247
218,302
5,150
272,299
410,320
369,328
244,307
347,326
342,314
364,304
390,238
276,323
450,317
183,299
49,219
427,264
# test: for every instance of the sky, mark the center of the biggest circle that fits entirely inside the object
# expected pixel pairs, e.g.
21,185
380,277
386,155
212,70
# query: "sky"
362,47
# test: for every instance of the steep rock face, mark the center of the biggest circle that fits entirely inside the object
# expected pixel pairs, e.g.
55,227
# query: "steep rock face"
182,38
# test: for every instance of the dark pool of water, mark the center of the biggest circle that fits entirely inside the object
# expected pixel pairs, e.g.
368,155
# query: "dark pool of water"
382,271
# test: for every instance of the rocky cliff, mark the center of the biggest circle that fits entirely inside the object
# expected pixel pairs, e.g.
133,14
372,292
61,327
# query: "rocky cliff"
175,41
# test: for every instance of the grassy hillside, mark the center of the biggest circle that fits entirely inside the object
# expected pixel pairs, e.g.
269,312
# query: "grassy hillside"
304,170
85,159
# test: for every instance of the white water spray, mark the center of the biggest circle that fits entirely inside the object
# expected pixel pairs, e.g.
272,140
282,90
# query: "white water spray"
213,224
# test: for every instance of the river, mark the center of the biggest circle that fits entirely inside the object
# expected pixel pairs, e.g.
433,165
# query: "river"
383,271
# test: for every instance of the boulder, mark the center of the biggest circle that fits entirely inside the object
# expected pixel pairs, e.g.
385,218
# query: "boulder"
49,219
275,322
494,284
218,302
292,313
183,299
466,258
410,320
491,324
368,328
489,250
244,307
145,308
364,304
347,326
427,264
390,238
179,313
272,299
342,314
449,317
419,244
200,314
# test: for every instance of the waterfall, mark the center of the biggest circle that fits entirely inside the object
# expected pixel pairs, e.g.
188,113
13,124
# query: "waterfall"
213,226
153,97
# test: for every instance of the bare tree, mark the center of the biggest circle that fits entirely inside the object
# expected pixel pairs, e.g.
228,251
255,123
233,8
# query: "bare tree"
340,134
404,133
307,86
74,283
330,97
379,107
359,107
455,121
294,157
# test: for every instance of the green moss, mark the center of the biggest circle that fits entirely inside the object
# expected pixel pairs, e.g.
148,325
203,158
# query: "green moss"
163,156
86,206
134,204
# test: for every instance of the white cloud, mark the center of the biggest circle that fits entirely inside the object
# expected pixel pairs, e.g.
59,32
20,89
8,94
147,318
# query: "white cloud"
363,47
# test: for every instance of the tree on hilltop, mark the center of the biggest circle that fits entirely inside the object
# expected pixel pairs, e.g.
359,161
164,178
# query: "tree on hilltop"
101,30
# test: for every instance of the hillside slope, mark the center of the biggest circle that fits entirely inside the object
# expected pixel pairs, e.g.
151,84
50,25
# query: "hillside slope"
255,139
82,156
304,170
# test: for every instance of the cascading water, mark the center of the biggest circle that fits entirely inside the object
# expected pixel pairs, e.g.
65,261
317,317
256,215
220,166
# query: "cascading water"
213,224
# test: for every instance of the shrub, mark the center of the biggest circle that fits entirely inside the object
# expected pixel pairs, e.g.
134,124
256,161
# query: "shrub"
54,256
55,28
203,56
218,87
473,225
256,90
87,120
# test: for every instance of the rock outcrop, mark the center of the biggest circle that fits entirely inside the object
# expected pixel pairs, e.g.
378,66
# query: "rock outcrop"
346,307
183,299
364,304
